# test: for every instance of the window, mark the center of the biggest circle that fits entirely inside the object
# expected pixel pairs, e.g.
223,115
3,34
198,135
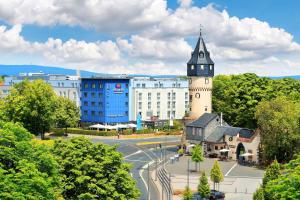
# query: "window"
205,108
58,84
85,112
216,147
100,113
149,96
126,94
202,67
173,114
192,67
206,81
173,85
86,85
60,93
158,105
100,85
62,84
158,96
169,114
201,55
85,103
197,95
173,104
210,67
169,95
191,97
161,85
100,95
93,85
143,85
126,104
186,104
126,113
186,95
173,96
140,96
156,85
149,105
65,94
126,85
85,94
169,104
75,95
158,113
100,104
138,85
72,84
93,94
93,113
93,103
140,105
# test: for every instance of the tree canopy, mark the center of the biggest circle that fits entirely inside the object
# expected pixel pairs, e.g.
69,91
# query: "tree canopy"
27,170
197,155
238,95
188,194
203,187
93,171
278,122
216,174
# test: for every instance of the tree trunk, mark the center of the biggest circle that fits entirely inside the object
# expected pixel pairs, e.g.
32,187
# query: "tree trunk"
196,166
42,135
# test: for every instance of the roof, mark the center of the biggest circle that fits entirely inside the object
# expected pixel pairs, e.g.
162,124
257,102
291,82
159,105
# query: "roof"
220,131
203,120
200,47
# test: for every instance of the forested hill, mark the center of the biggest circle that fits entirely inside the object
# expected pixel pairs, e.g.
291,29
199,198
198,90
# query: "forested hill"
237,96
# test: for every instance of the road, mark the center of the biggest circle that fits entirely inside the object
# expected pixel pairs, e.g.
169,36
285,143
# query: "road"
140,156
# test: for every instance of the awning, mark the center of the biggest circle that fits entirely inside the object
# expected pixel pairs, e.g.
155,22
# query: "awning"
98,126
246,154
224,150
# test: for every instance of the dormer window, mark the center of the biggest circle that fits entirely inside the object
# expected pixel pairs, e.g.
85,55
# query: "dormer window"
210,67
192,67
202,67
201,54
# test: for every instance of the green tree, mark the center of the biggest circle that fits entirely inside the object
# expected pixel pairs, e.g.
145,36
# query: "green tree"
67,114
272,173
27,170
259,194
93,171
32,104
287,185
216,175
197,155
203,187
188,194
278,122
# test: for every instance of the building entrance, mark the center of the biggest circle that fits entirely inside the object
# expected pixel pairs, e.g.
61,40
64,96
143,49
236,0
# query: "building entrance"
239,151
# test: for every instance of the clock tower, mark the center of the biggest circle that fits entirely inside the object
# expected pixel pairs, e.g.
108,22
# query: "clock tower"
200,71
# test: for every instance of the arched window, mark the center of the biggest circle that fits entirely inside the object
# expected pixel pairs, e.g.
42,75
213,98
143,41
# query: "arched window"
201,54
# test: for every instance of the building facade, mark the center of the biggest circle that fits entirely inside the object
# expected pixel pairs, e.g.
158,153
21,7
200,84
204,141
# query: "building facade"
105,100
66,86
162,98
200,70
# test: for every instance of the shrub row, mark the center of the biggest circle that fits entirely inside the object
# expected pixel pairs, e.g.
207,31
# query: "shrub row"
60,131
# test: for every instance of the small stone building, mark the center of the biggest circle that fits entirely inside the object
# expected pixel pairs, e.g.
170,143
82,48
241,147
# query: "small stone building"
214,134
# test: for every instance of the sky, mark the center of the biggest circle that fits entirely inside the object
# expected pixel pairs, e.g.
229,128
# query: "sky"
152,36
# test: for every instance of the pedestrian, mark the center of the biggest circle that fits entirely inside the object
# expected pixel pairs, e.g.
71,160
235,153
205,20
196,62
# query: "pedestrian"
118,135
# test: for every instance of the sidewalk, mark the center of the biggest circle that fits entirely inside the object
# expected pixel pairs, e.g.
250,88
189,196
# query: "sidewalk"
239,183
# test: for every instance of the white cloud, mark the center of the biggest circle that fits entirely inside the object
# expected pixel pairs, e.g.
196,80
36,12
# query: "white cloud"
149,34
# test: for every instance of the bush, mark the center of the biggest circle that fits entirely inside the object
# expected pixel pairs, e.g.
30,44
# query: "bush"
144,131
58,131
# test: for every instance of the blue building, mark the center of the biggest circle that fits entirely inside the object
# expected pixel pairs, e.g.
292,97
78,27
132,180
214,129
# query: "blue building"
105,100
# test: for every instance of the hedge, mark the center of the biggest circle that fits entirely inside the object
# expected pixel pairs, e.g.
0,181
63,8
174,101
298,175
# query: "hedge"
59,131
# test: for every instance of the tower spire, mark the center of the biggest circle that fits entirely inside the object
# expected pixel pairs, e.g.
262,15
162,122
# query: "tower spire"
200,30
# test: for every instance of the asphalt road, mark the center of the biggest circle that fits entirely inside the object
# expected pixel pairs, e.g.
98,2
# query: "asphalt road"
140,157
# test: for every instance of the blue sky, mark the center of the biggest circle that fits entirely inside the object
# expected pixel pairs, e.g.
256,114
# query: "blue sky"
152,36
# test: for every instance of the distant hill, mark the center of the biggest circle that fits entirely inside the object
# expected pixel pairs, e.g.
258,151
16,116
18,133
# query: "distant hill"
13,70
297,77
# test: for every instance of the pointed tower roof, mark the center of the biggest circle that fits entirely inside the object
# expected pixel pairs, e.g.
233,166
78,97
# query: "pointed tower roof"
200,55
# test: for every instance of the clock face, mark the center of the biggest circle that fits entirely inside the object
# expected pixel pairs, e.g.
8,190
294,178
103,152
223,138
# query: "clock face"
230,139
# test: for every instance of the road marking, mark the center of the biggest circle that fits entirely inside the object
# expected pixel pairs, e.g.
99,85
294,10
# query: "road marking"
136,160
141,175
137,152
231,169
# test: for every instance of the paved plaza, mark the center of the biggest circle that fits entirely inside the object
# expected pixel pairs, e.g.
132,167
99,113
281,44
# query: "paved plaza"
239,183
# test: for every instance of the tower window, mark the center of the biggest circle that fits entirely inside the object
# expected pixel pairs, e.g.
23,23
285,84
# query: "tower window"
202,67
191,97
201,55
197,95
210,67
192,67
206,81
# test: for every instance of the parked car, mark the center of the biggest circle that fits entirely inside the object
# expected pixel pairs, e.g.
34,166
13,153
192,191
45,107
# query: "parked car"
189,149
214,195
212,155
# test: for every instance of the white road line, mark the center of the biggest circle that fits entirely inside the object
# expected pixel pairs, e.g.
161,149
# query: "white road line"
141,174
231,169
139,151
129,160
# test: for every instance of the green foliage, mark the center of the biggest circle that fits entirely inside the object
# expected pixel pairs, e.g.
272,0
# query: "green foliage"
216,174
93,171
67,114
259,194
287,185
180,151
197,155
278,122
203,187
238,95
27,170
188,194
32,104
177,125
272,173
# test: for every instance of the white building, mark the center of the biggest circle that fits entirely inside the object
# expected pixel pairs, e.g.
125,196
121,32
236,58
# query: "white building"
66,86
164,98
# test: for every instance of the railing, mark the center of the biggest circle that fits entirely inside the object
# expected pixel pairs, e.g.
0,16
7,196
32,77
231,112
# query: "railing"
165,181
